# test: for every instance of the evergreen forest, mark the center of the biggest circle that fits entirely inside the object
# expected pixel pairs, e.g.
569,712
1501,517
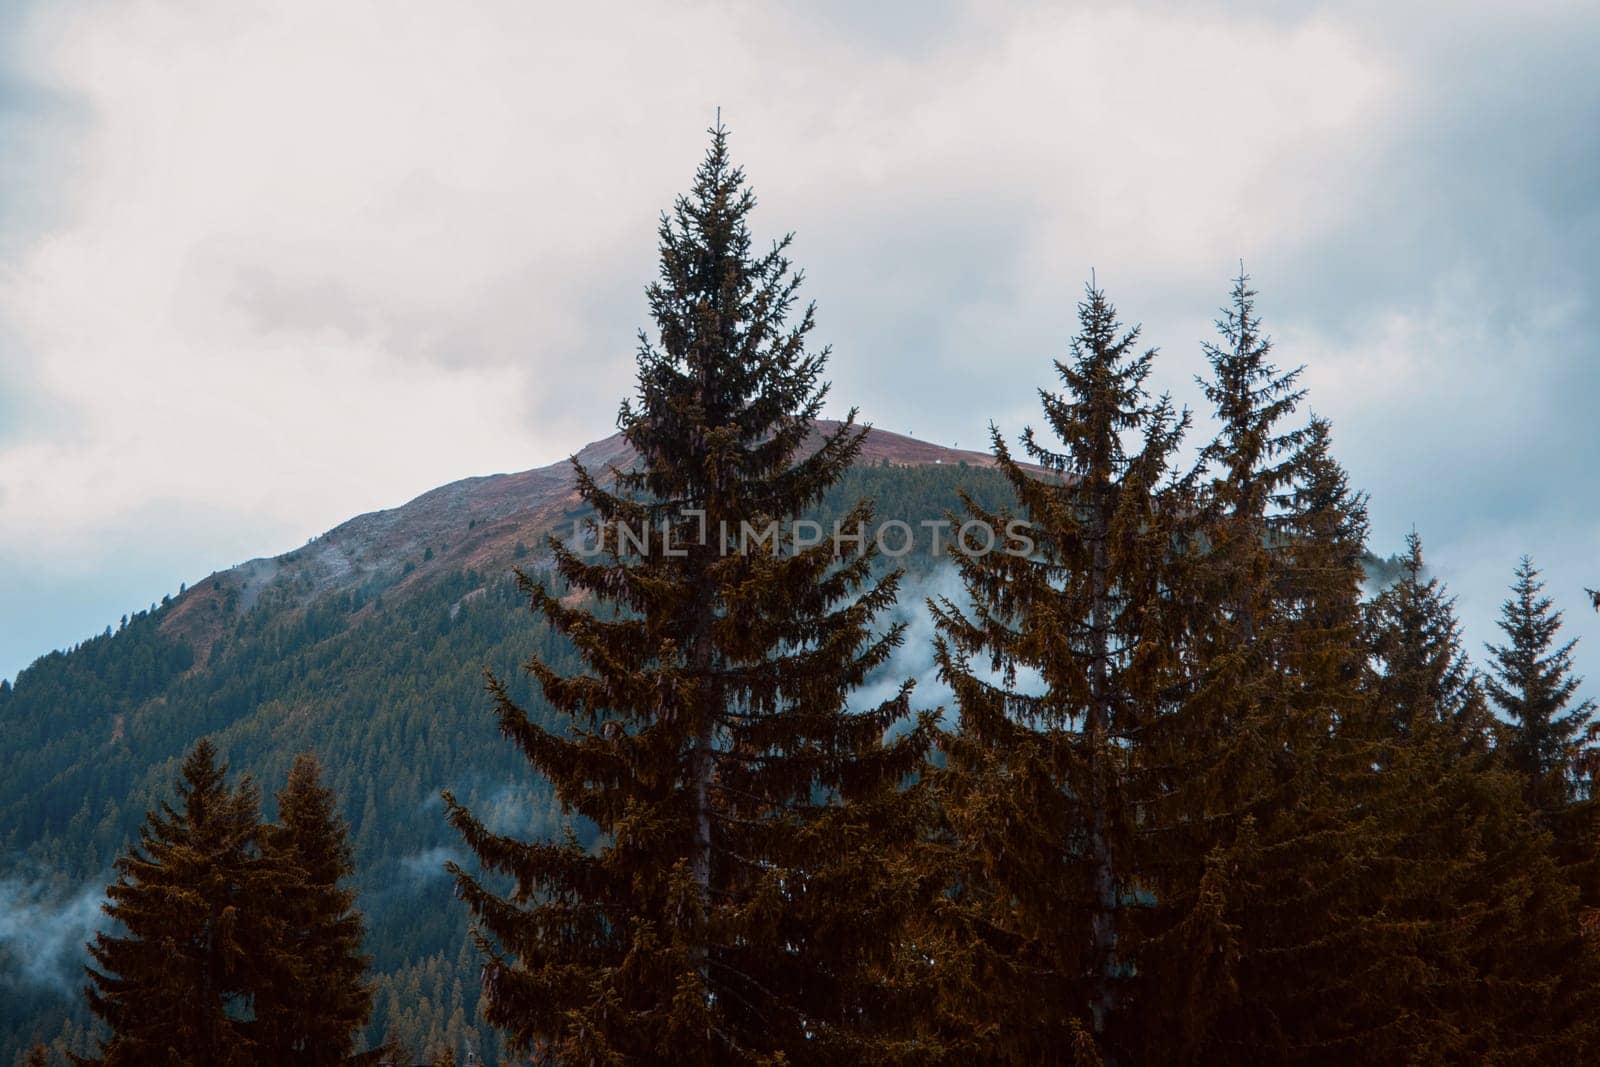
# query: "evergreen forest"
1194,777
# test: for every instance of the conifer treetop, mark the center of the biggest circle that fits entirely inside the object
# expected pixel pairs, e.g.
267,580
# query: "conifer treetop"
1423,674
1533,684
1250,397
728,390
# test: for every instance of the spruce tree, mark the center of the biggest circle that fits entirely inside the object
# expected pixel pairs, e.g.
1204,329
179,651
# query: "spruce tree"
1388,900
1038,790
1497,967
1421,672
316,1016
1224,770
1324,539
1532,683
196,901
743,899
1249,838
1322,966
1549,739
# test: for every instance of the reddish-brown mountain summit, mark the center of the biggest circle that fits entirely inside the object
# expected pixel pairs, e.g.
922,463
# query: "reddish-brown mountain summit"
475,523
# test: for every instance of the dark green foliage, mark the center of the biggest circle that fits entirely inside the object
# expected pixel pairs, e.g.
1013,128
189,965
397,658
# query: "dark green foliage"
1299,844
1253,459
1421,674
742,902
67,704
1283,790
1237,816
316,1016
1500,969
235,942
1036,946
195,901
1533,685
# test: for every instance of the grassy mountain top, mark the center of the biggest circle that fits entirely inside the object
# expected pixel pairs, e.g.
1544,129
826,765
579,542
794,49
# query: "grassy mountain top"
484,524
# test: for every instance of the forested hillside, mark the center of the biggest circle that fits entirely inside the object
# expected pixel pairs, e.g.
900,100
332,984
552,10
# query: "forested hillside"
385,686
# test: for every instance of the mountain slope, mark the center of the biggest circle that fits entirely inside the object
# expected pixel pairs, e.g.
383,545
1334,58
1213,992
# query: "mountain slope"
366,647
473,524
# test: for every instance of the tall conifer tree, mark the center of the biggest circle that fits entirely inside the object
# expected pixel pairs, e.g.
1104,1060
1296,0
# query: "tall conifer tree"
315,1018
195,898
743,901
1224,767
1550,740
1533,685
1038,785
1319,960
1247,846
1324,533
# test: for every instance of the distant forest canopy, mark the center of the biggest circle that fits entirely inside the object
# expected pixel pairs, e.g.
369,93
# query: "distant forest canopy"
1199,780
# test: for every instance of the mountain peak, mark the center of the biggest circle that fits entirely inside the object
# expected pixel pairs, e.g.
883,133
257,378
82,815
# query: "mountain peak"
484,523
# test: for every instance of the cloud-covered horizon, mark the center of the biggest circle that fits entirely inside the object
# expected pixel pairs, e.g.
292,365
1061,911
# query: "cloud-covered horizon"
264,267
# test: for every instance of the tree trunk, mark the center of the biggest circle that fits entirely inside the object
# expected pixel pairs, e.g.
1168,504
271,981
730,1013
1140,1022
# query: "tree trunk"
701,769
1103,924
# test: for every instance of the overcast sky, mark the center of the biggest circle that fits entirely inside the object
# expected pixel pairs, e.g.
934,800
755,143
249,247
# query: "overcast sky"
264,266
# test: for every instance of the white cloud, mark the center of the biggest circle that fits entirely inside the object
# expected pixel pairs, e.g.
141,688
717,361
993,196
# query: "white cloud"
301,260
318,257
42,935
427,865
